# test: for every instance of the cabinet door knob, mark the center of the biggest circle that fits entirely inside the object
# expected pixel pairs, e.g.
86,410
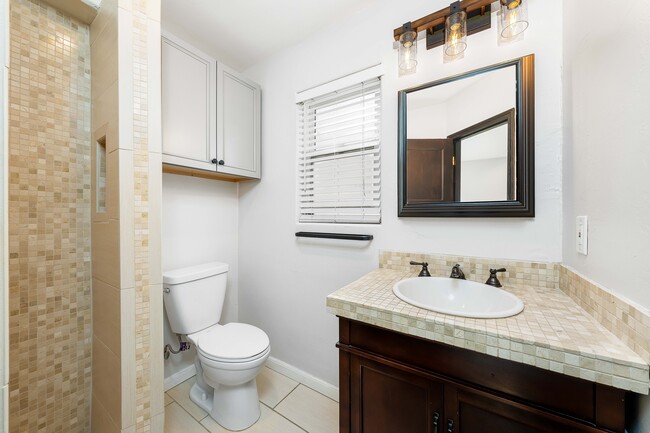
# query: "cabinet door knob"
450,426
436,417
218,161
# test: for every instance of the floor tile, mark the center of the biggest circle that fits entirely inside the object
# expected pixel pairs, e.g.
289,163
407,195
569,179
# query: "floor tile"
179,421
273,386
181,394
168,399
310,410
269,422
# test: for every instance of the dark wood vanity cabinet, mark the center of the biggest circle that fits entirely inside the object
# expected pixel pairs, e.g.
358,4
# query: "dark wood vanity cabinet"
396,383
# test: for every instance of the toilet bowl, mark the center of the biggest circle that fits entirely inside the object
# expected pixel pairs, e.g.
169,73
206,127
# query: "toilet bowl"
229,356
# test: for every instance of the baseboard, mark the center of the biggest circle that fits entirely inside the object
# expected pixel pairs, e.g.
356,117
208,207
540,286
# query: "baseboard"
179,377
281,367
305,378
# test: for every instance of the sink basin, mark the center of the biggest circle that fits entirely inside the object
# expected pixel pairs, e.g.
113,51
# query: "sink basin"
458,297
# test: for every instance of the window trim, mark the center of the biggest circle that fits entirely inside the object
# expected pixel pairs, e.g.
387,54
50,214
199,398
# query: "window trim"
350,80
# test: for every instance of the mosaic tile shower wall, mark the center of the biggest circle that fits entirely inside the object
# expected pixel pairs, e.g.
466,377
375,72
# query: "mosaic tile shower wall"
49,221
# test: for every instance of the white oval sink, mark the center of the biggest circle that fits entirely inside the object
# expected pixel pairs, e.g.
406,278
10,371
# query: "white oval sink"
458,297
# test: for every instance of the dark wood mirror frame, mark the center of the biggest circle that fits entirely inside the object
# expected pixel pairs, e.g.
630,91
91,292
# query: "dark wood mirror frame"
524,203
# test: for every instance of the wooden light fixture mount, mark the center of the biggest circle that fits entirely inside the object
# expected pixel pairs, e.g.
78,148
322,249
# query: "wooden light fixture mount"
478,19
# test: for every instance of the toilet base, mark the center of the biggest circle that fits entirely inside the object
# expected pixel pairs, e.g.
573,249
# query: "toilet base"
235,408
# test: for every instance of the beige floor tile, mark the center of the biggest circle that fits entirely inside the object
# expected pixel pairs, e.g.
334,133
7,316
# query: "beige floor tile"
269,422
273,386
168,399
310,410
181,394
179,421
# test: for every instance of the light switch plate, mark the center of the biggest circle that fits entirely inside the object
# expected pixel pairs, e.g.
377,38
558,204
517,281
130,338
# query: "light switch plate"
582,235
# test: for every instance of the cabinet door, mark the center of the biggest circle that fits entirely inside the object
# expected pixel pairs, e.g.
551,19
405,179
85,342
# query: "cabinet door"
188,110
473,411
238,124
388,400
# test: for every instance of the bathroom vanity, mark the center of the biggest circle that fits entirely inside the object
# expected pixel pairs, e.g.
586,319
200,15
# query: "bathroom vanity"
551,368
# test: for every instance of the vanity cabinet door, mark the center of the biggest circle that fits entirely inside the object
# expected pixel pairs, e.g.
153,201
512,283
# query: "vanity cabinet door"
474,411
388,400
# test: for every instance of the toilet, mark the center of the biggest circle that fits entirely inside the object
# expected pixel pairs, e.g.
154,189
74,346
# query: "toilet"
229,357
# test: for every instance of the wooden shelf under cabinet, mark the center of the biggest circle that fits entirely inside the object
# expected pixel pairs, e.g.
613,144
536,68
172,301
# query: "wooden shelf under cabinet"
187,171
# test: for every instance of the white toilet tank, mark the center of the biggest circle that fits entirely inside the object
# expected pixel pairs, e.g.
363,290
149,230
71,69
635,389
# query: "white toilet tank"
194,296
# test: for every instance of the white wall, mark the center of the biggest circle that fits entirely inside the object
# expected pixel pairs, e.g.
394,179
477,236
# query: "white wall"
607,147
484,179
282,287
199,226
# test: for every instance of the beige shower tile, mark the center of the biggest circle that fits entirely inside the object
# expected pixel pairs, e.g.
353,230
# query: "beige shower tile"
125,71
106,375
181,394
168,399
106,252
101,421
128,310
158,423
310,410
4,409
154,115
104,67
156,339
106,315
112,184
179,421
269,422
155,213
273,386
107,15
127,223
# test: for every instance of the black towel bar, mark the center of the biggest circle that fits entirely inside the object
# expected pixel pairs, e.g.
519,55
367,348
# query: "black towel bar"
344,236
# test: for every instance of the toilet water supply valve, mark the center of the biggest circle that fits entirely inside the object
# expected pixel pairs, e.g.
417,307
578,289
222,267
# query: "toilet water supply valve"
183,346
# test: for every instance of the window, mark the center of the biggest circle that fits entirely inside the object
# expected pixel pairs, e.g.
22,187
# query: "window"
339,134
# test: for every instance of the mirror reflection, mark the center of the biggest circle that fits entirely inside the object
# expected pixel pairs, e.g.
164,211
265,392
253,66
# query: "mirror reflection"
461,138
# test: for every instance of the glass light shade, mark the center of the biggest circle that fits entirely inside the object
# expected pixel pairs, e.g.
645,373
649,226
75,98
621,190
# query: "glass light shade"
514,18
456,34
408,52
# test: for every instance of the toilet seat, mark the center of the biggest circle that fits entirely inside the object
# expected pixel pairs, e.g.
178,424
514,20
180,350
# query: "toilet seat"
232,343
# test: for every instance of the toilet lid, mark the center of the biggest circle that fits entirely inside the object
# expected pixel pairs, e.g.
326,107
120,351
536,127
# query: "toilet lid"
233,341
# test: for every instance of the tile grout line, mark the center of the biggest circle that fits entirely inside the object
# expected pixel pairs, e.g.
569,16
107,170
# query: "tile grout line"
178,403
282,416
284,398
190,415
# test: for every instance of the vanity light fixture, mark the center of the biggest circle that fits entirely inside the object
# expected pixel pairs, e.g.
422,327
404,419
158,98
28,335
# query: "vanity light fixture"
408,50
455,32
449,27
514,18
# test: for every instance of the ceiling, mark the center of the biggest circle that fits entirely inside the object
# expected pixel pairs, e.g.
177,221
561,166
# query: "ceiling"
241,33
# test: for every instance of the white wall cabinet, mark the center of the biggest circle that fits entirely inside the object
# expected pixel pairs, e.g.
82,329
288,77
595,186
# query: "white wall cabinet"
211,116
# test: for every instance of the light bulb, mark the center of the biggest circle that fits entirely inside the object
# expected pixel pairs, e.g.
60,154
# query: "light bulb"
514,18
408,51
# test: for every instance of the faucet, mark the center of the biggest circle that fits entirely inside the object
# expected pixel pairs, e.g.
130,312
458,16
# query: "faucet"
493,280
457,272
425,270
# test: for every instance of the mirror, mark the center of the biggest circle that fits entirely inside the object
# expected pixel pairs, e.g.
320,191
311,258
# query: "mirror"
466,144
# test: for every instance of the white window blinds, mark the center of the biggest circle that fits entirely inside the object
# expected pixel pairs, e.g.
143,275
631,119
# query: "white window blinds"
339,156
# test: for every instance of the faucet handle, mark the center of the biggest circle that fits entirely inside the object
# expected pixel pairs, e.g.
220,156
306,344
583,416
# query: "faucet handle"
457,272
425,270
493,280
